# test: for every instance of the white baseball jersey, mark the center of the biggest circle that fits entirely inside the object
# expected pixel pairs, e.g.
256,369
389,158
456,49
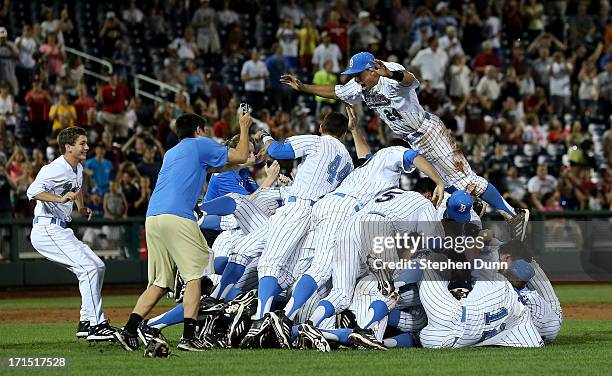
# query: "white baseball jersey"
58,178
325,163
397,105
59,244
379,173
543,316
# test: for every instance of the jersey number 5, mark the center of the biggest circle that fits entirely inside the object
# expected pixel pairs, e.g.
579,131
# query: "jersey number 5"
332,170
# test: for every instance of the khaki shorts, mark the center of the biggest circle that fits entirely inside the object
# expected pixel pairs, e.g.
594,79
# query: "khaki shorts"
175,242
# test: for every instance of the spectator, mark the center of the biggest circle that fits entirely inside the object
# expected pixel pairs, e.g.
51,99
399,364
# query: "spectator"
172,74
16,164
512,20
57,26
363,33
559,72
324,76
149,167
526,84
556,133
180,105
132,14
53,54
539,185
100,169
62,114
540,66
476,129
516,193
113,151
472,35
112,30
338,31
510,85
589,89
9,55
575,136
131,190
488,87
22,206
114,97
293,11
6,187
288,39
507,133
605,92
432,62
517,58
418,44
38,101
427,97
27,47
7,108
551,202
533,133
195,81
115,204
423,20
444,18
309,38
121,60
449,43
254,75
402,18
492,27
157,26
278,65
204,20
485,58
38,161
83,105
184,48
538,103
327,51
226,17
72,73
234,43
534,17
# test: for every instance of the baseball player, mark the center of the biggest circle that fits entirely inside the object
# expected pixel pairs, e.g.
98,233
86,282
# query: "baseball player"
390,90
380,173
56,188
326,162
174,239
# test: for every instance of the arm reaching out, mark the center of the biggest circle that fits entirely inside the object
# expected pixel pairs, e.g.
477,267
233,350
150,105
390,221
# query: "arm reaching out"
325,91
361,145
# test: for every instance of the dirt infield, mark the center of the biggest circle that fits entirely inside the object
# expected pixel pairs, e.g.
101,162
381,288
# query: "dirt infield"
571,311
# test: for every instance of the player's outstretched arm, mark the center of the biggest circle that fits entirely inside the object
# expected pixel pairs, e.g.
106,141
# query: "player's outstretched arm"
361,145
241,153
325,91
424,166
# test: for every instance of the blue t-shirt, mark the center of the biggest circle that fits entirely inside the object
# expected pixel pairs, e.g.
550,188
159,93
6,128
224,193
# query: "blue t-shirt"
277,66
230,182
102,173
183,174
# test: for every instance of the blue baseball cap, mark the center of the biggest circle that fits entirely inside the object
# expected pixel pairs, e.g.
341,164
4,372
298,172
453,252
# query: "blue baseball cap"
458,206
360,62
522,270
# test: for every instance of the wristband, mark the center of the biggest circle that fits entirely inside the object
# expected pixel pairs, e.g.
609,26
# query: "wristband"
397,75
263,134
267,138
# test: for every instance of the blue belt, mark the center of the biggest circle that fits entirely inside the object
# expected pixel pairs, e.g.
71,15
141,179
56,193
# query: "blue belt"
53,221
357,207
294,199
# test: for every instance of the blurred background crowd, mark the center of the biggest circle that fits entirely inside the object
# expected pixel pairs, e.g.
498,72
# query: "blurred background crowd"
524,86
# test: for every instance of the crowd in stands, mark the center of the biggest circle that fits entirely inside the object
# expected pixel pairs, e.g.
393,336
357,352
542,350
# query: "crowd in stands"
524,86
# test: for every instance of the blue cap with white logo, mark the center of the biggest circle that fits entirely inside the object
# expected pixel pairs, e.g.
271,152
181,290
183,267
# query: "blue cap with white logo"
360,62
458,206
522,270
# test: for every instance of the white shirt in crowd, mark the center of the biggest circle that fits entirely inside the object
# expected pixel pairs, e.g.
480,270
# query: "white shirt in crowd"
492,28
432,66
459,80
453,44
324,53
27,47
560,79
542,186
184,50
288,40
255,69
489,88
134,15
588,89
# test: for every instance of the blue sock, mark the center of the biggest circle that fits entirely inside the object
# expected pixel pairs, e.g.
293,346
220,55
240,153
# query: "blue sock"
268,289
234,292
324,310
394,318
303,290
378,310
401,341
231,275
220,264
338,335
173,316
492,196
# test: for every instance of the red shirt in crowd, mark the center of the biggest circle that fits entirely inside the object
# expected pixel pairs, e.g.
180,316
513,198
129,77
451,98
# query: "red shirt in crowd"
82,105
39,102
114,99
339,34
483,59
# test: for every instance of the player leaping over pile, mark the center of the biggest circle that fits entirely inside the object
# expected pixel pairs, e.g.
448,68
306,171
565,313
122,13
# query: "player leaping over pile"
389,90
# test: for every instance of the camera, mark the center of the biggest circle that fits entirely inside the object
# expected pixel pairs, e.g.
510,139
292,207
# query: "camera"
245,107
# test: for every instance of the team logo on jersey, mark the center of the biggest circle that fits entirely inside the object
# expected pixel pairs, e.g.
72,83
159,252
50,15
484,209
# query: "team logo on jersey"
67,187
373,99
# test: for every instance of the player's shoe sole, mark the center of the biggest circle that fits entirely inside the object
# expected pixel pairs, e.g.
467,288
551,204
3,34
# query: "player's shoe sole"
519,224
282,328
127,341
383,276
311,337
361,338
241,301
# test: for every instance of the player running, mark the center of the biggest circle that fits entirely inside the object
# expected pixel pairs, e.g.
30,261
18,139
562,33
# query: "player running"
390,90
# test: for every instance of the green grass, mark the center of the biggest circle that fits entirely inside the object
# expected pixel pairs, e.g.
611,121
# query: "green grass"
584,347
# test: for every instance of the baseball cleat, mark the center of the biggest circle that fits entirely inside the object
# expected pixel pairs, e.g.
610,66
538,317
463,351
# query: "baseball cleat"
243,299
82,329
365,338
101,332
282,328
195,344
383,276
178,290
127,340
480,207
309,337
346,319
519,224
211,306
147,333
256,336
241,323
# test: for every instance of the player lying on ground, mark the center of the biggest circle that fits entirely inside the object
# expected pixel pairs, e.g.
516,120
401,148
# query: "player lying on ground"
390,90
